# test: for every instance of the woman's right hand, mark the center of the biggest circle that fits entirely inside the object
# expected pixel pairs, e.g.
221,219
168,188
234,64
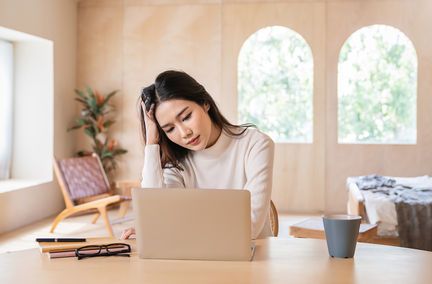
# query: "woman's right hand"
128,234
152,134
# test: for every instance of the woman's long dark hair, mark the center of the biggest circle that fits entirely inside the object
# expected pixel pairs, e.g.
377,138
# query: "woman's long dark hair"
171,85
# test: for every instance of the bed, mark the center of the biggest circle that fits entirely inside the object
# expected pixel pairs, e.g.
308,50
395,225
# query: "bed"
400,206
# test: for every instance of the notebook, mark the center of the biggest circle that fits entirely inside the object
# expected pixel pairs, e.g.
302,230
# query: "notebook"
201,224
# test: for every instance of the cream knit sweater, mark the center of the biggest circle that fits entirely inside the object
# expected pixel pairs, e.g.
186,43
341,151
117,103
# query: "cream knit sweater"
244,162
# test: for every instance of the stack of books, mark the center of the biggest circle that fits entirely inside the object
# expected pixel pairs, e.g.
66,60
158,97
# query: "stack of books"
59,249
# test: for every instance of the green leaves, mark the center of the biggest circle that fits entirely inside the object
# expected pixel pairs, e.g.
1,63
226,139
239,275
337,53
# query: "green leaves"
90,131
79,123
80,94
377,81
108,123
95,122
275,84
119,152
109,96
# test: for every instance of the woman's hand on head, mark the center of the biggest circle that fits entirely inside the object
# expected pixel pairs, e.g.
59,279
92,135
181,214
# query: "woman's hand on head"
152,134
128,234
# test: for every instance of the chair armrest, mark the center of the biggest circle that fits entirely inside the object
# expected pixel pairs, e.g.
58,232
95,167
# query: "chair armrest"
128,183
125,198
126,186
98,203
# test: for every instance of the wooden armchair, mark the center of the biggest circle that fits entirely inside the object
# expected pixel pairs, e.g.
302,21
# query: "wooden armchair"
85,186
274,219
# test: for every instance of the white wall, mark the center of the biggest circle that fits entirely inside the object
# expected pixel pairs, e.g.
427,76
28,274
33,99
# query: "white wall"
54,20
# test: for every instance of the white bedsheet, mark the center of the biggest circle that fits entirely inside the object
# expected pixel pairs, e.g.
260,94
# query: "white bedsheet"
382,211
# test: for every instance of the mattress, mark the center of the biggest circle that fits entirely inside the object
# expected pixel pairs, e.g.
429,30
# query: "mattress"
381,209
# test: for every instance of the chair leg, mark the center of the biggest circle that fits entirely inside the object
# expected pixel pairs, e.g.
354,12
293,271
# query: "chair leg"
104,214
95,217
124,206
64,214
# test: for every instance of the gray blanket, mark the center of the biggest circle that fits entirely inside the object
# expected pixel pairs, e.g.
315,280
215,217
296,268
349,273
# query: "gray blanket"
373,182
415,224
413,208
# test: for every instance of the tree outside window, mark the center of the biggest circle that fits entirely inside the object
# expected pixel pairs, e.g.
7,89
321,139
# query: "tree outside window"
377,85
275,84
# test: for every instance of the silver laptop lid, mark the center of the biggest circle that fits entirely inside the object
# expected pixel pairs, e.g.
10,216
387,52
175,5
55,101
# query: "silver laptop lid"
207,224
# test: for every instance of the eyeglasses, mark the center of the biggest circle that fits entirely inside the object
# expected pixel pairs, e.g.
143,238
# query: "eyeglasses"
117,249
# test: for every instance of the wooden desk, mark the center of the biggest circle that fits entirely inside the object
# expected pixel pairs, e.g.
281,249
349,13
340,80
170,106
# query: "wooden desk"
276,261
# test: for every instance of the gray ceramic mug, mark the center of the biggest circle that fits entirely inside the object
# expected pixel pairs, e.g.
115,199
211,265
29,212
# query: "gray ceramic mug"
341,234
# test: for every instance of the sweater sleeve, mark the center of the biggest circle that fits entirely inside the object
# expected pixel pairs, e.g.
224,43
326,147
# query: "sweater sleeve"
153,176
259,173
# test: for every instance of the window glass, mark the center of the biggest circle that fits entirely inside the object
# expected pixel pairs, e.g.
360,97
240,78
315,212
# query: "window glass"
377,85
275,84
6,107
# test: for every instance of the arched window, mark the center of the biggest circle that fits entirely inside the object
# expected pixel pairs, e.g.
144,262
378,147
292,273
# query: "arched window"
275,84
377,87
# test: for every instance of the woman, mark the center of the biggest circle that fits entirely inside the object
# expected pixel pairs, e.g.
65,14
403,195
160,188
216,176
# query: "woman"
190,144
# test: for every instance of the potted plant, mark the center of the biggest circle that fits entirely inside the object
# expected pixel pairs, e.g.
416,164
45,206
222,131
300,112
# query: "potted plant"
95,119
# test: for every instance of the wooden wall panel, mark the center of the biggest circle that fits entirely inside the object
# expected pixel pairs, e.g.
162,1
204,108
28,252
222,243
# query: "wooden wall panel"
161,37
125,44
342,160
298,179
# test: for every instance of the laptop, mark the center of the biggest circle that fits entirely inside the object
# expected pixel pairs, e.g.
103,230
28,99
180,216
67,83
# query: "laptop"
199,224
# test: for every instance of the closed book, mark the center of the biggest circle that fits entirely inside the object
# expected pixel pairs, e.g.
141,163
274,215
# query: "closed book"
61,254
71,246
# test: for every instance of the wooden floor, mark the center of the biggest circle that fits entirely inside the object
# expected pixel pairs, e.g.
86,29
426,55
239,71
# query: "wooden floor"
81,226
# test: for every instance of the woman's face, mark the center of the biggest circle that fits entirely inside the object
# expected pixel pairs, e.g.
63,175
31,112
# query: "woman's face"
187,124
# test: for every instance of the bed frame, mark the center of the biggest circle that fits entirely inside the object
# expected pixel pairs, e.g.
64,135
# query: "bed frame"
356,206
